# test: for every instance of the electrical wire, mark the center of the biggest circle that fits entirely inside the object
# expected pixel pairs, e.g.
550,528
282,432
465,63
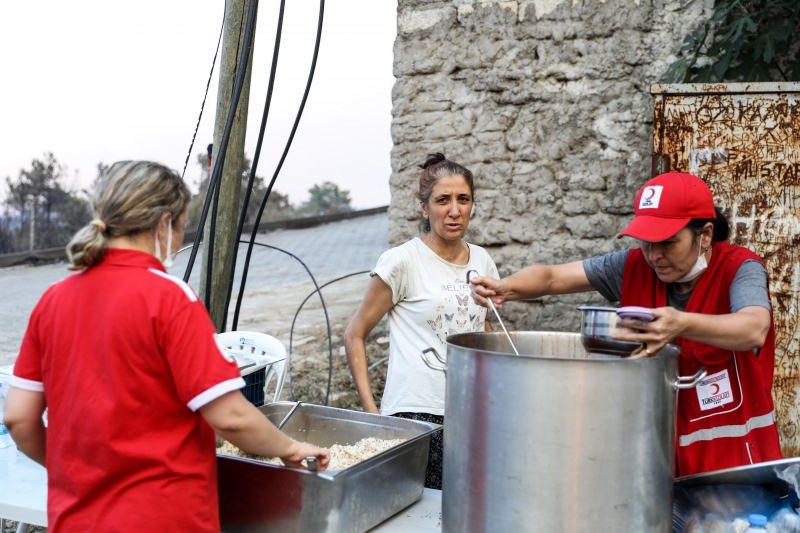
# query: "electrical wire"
278,167
324,309
317,290
330,344
254,165
212,230
212,235
212,195
205,96
220,159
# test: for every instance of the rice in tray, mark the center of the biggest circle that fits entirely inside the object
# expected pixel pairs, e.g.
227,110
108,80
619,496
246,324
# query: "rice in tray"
342,455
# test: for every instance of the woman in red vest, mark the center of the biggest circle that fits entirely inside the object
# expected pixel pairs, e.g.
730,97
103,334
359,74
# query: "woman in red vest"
707,296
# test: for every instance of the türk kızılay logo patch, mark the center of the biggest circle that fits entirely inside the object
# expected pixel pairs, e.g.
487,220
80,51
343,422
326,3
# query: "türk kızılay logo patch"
714,391
651,197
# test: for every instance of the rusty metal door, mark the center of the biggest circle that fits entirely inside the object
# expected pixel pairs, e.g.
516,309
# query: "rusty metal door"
744,141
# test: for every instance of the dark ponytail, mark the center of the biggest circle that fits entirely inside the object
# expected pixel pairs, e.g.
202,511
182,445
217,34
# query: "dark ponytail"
722,229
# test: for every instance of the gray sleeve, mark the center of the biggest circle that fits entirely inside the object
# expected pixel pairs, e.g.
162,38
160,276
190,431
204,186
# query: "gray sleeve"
749,287
605,273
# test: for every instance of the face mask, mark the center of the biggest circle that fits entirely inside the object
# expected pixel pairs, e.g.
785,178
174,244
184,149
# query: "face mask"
167,261
700,266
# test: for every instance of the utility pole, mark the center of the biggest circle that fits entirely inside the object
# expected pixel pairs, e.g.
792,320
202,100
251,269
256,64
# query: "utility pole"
231,179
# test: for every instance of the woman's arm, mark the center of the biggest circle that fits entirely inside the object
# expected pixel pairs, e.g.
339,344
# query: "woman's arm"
23,417
743,330
377,302
532,282
237,420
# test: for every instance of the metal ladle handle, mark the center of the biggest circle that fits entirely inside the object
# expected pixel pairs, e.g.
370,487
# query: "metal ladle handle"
496,314
289,415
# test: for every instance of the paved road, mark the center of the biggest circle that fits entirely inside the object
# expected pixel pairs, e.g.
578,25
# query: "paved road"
330,250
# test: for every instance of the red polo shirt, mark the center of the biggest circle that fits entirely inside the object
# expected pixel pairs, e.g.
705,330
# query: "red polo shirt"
125,355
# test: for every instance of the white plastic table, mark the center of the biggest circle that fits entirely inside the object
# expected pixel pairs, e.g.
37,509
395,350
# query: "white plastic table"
425,516
23,488
23,498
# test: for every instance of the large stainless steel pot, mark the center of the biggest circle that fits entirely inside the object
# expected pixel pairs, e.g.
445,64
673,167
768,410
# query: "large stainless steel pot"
557,439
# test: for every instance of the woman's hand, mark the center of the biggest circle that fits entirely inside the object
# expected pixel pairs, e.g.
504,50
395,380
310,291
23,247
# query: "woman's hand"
370,407
668,324
300,450
484,287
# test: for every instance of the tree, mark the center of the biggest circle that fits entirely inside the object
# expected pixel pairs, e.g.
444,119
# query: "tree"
744,40
102,170
326,198
278,206
46,212
6,235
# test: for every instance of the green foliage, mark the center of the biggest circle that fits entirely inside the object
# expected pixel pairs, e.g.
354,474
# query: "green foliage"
40,193
6,235
744,40
326,198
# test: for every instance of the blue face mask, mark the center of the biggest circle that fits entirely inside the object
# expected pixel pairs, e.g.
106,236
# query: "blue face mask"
167,261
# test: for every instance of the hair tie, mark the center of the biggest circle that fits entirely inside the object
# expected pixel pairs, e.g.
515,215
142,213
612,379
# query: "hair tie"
99,224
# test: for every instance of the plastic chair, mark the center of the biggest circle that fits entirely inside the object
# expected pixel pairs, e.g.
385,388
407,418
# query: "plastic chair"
255,345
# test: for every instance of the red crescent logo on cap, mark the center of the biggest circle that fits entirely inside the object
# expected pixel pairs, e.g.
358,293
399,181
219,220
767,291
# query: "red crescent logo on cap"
715,389
649,193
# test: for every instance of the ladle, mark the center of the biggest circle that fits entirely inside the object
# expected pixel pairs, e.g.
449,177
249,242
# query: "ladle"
288,415
496,314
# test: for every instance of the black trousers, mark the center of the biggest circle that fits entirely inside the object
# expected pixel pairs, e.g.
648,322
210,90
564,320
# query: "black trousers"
433,476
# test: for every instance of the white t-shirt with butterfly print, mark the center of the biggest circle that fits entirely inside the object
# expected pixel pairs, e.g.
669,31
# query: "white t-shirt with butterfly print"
431,301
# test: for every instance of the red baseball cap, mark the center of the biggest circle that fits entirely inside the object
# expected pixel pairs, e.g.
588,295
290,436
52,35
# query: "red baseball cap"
666,203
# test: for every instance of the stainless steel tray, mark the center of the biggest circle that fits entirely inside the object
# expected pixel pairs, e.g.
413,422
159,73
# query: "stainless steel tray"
255,496
757,474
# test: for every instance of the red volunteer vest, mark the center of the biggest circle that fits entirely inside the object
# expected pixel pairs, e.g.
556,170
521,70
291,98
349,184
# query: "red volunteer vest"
728,419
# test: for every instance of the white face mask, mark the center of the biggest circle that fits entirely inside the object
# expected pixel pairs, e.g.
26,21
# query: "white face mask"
700,266
167,261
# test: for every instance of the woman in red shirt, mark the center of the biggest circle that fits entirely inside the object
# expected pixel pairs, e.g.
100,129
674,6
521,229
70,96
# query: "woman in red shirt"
708,296
123,357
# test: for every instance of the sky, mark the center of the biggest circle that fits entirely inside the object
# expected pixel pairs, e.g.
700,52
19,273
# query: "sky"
96,81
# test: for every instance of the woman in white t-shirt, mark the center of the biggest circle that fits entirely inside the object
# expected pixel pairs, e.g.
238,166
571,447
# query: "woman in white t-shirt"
422,285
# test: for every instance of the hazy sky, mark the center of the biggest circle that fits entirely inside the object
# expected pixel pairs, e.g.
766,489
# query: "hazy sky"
102,81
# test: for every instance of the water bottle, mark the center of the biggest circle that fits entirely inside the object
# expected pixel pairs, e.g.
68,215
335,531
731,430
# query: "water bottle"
784,521
5,437
758,523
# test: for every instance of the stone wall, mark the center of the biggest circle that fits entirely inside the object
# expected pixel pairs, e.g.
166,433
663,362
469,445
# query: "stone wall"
548,103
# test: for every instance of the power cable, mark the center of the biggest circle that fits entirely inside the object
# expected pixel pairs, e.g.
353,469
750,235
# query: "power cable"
254,232
330,344
254,165
220,159
317,290
208,84
212,233
212,230
324,309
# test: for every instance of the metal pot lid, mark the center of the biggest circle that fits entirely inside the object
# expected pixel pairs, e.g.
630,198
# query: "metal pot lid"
596,308
756,474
